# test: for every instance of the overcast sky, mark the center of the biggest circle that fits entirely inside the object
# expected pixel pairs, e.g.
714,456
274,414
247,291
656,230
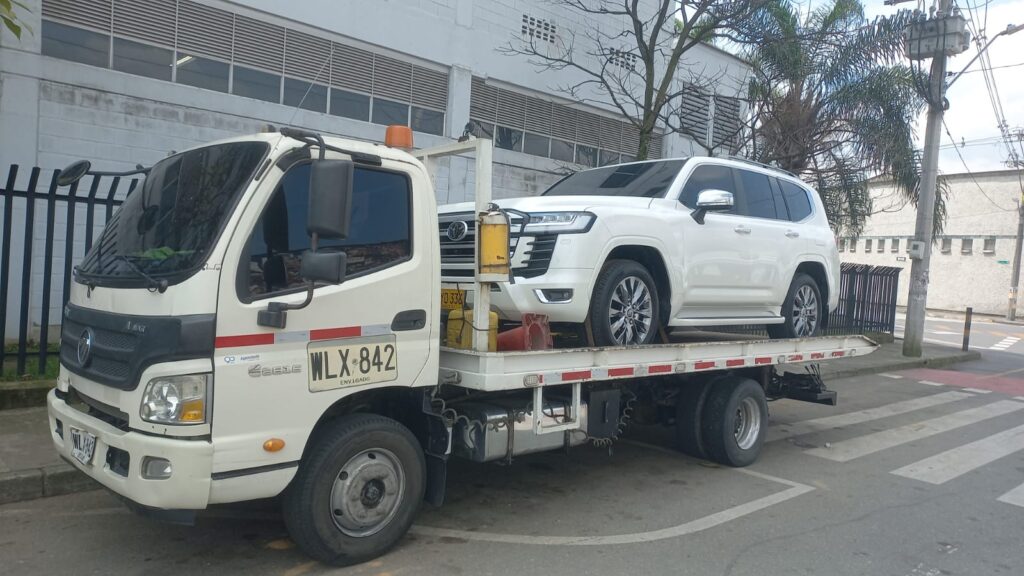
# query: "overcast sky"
970,117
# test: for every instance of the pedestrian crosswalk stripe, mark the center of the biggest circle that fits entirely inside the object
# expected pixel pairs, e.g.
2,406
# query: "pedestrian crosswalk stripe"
847,450
954,463
893,376
1004,343
977,390
850,418
930,383
1015,496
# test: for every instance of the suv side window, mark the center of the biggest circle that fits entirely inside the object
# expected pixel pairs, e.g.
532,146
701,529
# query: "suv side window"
705,177
379,237
759,201
780,204
797,200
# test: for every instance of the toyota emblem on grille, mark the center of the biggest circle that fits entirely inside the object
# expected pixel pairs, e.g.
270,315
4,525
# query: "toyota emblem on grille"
85,346
457,230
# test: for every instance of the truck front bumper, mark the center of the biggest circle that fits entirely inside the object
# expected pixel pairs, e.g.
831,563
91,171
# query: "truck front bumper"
188,487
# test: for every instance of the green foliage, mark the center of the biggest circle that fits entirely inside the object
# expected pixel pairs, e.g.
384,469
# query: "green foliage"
10,19
835,103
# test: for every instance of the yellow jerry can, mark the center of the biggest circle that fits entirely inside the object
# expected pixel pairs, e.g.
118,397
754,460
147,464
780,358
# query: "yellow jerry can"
460,330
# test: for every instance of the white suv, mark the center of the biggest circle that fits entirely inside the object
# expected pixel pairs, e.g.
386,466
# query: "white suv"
636,247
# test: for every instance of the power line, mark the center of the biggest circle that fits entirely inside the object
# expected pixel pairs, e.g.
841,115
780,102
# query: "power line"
971,174
994,68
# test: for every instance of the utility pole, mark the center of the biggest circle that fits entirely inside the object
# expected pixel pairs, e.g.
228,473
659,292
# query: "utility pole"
936,38
1011,311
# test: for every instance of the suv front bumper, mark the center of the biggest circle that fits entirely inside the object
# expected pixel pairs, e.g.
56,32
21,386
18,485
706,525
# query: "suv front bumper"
188,488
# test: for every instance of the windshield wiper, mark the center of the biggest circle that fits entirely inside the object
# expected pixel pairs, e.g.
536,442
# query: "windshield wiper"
154,284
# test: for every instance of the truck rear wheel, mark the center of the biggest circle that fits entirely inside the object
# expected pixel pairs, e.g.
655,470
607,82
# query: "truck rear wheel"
734,421
357,491
689,410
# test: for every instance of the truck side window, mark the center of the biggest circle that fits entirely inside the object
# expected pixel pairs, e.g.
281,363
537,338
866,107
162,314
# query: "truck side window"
379,236
706,177
757,193
796,199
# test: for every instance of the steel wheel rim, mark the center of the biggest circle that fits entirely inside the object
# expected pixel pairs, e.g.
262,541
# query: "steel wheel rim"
805,311
630,311
747,426
367,492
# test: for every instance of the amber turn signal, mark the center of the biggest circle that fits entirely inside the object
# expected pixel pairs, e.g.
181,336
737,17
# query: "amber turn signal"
273,445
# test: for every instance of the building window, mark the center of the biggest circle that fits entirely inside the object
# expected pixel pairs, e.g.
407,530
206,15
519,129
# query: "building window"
867,245
202,73
586,156
853,244
379,236
75,44
967,245
508,138
841,244
881,245
561,150
622,59
895,248
387,112
946,246
428,121
607,157
255,84
536,145
350,105
990,246
305,95
539,29
907,249
142,59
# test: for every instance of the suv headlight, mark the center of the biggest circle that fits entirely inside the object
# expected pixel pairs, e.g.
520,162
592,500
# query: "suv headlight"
559,222
176,399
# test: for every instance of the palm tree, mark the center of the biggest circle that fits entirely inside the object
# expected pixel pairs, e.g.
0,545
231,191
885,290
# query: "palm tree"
834,102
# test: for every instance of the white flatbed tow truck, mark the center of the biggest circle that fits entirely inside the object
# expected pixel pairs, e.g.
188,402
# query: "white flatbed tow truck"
211,354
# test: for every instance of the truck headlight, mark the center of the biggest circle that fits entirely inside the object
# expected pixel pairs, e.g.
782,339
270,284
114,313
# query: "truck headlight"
559,223
176,399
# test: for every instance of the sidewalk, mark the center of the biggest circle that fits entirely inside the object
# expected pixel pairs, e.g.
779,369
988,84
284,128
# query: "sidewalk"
30,468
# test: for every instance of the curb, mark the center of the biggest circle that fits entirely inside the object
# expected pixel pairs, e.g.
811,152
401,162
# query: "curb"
24,394
53,480
906,364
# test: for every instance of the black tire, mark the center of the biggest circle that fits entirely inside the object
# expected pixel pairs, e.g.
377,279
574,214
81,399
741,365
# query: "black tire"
793,311
614,273
726,438
308,507
689,409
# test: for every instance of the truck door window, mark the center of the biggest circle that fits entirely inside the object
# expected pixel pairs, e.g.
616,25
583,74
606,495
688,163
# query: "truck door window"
380,235
708,177
757,193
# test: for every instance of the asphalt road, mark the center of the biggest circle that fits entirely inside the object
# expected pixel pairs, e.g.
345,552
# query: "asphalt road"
911,475
1002,344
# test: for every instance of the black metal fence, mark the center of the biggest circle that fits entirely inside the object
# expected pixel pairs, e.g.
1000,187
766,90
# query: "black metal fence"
51,229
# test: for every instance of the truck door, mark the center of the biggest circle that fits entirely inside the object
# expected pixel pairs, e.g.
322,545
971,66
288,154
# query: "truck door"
372,330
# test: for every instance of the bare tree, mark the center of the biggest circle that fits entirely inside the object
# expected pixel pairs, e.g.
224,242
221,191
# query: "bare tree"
628,54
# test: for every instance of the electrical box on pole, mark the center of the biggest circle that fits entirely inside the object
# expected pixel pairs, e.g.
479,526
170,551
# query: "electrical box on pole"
947,36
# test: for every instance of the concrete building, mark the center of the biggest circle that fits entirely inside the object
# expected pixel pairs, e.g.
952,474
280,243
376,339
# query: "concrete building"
125,82
972,258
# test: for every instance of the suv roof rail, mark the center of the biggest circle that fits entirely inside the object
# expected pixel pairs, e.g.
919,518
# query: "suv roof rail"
761,164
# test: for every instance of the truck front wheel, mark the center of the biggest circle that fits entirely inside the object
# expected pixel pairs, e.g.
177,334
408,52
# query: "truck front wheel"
357,491
734,421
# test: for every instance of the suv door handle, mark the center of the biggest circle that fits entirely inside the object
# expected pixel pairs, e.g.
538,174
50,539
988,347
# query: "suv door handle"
792,234
742,230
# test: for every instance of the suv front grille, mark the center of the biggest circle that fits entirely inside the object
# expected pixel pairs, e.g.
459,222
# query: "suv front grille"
457,255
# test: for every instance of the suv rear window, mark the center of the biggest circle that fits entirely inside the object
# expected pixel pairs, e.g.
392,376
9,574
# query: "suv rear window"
796,199
642,180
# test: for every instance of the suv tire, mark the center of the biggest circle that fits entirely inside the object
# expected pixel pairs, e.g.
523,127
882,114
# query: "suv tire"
624,305
802,309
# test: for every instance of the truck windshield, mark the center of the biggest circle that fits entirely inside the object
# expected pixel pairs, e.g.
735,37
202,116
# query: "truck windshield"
640,179
166,227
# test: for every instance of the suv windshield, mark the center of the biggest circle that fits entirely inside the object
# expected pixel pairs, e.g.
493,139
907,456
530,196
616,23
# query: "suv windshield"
640,179
166,227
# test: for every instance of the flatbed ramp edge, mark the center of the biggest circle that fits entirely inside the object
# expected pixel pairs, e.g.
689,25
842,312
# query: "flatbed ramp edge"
498,371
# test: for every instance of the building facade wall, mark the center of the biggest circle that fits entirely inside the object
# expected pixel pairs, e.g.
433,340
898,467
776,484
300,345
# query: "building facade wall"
972,258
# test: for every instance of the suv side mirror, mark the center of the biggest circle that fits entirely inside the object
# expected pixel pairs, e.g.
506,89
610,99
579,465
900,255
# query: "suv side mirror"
712,200
330,198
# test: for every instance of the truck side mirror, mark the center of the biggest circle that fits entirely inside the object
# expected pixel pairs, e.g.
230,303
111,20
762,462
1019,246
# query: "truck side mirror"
324,267
712,200
330,198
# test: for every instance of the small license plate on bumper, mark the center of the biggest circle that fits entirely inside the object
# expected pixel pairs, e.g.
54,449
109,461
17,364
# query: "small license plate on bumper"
83,445
452,299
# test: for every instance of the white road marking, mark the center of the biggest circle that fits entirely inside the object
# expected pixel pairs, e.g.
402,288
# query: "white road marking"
944,333
847,450
930,383
1018,398
710,521
977,390
893,376
954,463
1005,343
1015,496
861,416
